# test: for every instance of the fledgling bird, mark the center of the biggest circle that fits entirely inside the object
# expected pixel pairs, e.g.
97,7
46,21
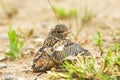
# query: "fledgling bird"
56,48
53,56
59,32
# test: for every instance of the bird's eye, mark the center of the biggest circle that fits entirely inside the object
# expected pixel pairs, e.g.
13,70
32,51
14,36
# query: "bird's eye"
58,31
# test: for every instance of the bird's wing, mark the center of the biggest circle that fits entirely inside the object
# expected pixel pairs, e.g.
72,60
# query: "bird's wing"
71,49
75,49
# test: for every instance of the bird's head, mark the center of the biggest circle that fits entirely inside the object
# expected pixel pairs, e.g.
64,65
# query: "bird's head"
60,31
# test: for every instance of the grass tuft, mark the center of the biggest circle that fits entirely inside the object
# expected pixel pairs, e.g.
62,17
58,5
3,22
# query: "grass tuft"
64,13
15,44
98,39
10,10
87,15
89,69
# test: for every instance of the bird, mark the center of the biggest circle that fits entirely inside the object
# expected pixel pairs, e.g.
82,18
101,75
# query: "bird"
56,34
59,32
49,57
55,49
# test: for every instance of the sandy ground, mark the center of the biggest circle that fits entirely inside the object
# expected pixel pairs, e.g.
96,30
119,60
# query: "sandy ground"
38,15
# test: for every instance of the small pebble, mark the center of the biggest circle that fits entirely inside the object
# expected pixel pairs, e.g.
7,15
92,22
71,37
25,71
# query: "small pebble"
4,35
39,40
2,58
10,77
3,65
38,79
44,24
21,78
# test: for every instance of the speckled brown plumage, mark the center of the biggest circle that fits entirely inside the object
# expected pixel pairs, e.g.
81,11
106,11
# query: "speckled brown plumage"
59,32
55,49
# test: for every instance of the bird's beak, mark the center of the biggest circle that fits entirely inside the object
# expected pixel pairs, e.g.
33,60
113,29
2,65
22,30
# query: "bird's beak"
67,32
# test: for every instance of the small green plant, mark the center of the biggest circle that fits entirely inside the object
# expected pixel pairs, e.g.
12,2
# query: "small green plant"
98,39
107,67
87,68
117,47
15,44
64,13
108,60
117,57
61,12
10,10
87,15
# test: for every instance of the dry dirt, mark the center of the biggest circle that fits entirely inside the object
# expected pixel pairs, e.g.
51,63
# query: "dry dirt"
38,16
